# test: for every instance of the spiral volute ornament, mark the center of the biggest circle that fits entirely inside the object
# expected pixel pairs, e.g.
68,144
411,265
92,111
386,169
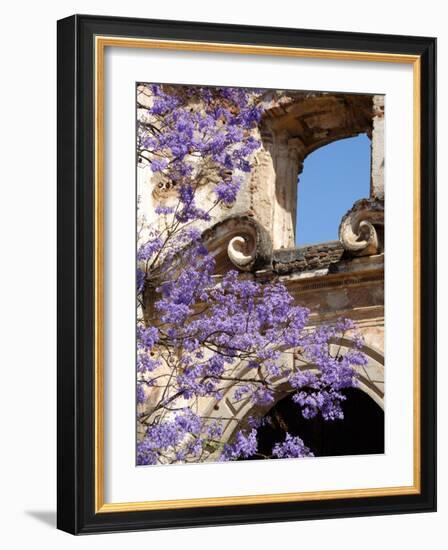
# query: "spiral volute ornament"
361,228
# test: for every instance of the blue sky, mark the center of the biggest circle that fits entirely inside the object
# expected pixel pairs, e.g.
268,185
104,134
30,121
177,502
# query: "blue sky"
333,178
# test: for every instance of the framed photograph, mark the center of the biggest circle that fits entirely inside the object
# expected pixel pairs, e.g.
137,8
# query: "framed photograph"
246,274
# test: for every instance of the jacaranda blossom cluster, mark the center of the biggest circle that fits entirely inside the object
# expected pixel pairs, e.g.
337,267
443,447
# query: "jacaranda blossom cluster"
209,336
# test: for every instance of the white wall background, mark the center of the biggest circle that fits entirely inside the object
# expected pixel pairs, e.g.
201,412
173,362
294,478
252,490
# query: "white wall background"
28,272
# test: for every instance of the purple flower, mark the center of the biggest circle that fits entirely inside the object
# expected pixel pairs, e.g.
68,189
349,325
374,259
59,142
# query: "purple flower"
163,210
189,422
244,446
145,363
148,249
146,455
157,165
186,194
327,402
292,447
141,396
147,337
226,192
163,436
263,396
141,276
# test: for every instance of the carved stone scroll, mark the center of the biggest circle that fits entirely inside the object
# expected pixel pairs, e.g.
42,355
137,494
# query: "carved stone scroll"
362,228
241,240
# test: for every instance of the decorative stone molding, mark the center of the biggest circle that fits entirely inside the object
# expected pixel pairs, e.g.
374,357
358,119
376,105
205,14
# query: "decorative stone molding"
163,188
371,381
241,240
361,229
306,258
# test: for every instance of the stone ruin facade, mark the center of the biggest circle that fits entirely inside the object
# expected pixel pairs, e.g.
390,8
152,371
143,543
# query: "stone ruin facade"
343,278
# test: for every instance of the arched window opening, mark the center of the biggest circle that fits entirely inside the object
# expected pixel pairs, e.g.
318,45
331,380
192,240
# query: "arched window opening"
361,431
333,178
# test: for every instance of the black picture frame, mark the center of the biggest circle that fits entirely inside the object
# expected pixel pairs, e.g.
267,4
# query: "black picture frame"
76,257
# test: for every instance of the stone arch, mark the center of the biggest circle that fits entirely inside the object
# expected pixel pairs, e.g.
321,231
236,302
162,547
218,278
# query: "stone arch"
294,125
371,382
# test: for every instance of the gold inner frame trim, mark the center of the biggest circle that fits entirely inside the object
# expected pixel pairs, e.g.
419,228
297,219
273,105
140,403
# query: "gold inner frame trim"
101,42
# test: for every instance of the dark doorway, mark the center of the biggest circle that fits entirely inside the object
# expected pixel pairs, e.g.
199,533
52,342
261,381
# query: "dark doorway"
361,431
